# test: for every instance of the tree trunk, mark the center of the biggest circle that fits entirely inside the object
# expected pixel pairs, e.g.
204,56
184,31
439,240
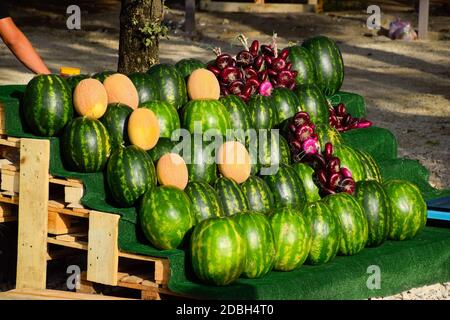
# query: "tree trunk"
134,55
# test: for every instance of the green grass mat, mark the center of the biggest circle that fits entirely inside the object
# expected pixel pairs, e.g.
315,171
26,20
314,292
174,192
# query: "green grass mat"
301,283
354,103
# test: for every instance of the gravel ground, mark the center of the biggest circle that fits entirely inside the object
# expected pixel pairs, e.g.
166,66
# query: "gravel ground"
433,292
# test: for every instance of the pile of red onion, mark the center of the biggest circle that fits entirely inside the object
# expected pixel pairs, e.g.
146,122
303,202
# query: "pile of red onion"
340,119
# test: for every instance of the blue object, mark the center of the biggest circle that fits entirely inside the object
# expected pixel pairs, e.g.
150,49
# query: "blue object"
439,209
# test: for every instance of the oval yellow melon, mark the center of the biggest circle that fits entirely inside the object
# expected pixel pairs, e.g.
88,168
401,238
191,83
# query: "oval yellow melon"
171,170
143,128
233,160
120,89
90,98
203,85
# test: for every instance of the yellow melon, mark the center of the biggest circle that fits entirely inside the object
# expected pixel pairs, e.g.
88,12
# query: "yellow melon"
90,98
171,170
233,161
143,128
203,85
121,89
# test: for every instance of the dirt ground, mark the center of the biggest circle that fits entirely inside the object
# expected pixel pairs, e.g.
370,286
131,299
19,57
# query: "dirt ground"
406,84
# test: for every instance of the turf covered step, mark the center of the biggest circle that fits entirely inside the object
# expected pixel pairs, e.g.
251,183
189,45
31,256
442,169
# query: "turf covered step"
354,103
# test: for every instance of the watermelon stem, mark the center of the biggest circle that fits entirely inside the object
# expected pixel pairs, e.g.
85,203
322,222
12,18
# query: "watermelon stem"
243,40
217,51
274,44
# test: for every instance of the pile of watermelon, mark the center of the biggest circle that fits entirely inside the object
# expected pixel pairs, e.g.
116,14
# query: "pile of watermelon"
273,203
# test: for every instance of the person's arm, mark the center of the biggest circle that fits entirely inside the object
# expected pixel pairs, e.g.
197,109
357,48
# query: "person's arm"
19,45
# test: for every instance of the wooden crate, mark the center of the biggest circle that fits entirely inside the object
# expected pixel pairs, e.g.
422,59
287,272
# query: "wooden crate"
259,6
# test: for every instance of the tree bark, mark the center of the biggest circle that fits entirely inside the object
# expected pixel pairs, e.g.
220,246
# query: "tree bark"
134,55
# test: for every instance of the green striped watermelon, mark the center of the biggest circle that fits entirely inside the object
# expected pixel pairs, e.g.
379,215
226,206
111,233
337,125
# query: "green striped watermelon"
218,251
47,104
205,202
170,83
115,121
200,160
328,63
375,203
163,147
286,103
187,66
286,187
305,173
72,81
285,151
85,145
258,194
239,116
166,216
262,112
326,133
130,173
267,151
350,160
167,117
312,101
206,116
326,233
371,168
408,209
146,87
292,235
101,76
231,197
302,62
355,230
257,232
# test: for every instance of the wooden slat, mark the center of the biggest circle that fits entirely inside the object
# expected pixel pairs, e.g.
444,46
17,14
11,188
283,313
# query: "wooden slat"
71,237
33,214
255,7
12,200
139,257
76,245
7,219
5,142
82,213
103,253
73,195
7,210
53,295
10,181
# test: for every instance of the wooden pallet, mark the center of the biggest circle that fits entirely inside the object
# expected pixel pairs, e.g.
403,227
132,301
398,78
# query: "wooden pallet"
259,6
37,294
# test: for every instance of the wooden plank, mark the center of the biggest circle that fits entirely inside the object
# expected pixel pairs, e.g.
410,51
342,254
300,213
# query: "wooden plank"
7,210
103,253
76,245
33,214
67,183
139,257
73,195
7,219
255,8
59,295
5,142
162,272
58,223
189,17
424,8
12,200
10,181
75,212
71,237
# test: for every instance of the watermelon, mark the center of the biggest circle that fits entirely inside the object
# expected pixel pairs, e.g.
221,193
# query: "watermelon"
408,209
200,159
205,202
258,235
375,203
326,133
305,173
167,117
328,63
371,168
258,194
302,62
353,222
286,187
146,87
326,233
115,121
72,81
218,251
239,116
350,160
292,235
262,112
163,147
285,151
166,216
47,104
85,145
312,101
201,116
130,173
269,151
285,102
231,197
186,66
170,84
101,76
